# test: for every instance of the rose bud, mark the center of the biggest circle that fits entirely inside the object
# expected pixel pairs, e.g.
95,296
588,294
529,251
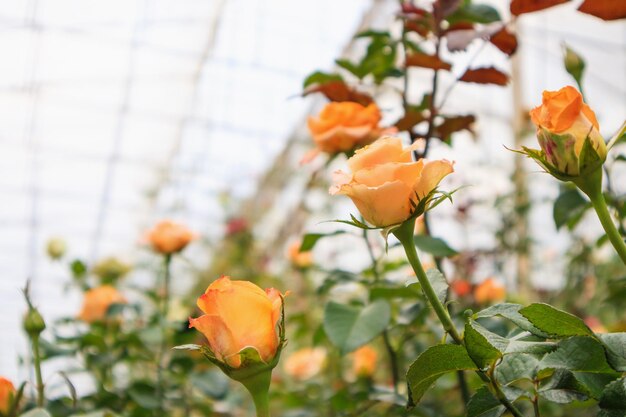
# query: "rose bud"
168,237
97,302
244,326
386,186
7,395
305,363
56,248
364,362
564,124
297,258
489,291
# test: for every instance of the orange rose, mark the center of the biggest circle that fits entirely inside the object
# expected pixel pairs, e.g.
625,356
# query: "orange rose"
169,237
563,123
7,394
488,291
97,301
385,182
305,363
343,126
239,315
461,287
297,258
364,361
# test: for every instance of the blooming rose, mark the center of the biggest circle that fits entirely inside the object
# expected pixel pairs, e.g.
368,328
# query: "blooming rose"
239,315
364,361
305,363
488,291
169,237
564,122
7,393
97,301
297,258
385,182
343,126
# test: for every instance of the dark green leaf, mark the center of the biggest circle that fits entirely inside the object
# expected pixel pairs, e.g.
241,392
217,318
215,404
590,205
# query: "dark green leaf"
436,279
579,353
380,291
613,397
477,13
144,395
213,384
569,208
516,367
555,322
484,404
310,239
319,77
433,245
484,349
350,327
563,388
615,344
433,363
510,312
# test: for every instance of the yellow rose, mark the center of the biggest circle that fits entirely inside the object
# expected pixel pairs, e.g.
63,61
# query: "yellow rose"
489,291
97,301
385,182
563,123
239,315
168,237
343,126
305,363
297,258
364,361
7,394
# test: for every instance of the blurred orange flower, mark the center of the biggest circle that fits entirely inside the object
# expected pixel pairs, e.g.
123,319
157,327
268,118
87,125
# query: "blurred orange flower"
384,181
168,237
489,291
343,126
297,258
238,315
7,393
461,287
364,361
97,301
305,363
563,123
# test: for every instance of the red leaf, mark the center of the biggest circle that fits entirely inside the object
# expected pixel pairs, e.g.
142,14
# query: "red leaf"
427,61
339,91
504,41
527,6
410,119
604,9
454,124
488,75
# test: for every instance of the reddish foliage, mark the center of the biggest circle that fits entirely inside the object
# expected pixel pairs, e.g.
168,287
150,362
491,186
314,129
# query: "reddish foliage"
488,75
339,91
527,6
504,41
604,9
454,124
410,119
417,59
421,27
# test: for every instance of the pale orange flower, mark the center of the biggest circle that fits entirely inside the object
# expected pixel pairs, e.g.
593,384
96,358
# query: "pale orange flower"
563,123
7,393
297,258
343,126
168,237
385,181
489,291
305,363
364,361
461,287
97,301
238,315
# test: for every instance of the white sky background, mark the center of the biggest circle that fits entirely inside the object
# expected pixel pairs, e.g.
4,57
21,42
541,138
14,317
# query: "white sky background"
114,114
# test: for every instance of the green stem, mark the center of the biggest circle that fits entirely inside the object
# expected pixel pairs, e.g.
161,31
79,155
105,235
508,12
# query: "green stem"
405,235
259,385
163,320
599,204
37,363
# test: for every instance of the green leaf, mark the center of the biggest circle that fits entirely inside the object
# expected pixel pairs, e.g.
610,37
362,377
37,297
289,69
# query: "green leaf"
579,353
595,383
213,384
433,363
484,404
555,322
510,312
436,279
350,327
310,239
569,208
145,395
477,13
516,367
380,291
563,388
482,347
615,345
433,245
319,77
613,399
36,412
